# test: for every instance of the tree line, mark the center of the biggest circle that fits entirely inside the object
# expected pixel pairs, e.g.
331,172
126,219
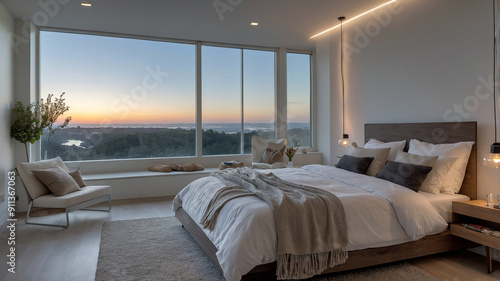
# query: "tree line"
124,143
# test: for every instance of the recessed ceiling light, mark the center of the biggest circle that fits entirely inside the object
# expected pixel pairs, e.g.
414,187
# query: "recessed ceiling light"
86,4
254,23
353,18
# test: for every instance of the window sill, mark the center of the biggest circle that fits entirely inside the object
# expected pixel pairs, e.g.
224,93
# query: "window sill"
143,174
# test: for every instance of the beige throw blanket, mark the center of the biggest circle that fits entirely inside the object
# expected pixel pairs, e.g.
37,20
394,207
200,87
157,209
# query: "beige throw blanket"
310,222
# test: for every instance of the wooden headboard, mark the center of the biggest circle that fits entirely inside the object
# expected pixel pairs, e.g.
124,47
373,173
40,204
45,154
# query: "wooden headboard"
433,133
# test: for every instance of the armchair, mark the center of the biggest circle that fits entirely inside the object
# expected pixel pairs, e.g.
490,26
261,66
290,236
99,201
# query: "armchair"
40,196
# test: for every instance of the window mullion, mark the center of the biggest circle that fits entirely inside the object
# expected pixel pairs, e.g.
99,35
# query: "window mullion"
199,130
242,138
281,95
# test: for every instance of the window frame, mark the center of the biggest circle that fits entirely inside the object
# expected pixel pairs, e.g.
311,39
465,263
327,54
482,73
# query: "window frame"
312,94
130,164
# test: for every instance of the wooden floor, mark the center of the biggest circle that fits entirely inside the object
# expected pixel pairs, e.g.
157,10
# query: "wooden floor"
48,253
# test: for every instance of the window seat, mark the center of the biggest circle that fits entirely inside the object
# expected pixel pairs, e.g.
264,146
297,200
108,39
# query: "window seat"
142,174
141,184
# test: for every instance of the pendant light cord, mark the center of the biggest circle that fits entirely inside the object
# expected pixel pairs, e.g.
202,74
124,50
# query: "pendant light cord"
495,66
341,19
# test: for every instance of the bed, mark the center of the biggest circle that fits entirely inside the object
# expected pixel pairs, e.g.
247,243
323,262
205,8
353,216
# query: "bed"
375,253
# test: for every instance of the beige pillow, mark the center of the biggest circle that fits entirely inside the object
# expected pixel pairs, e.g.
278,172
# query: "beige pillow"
77,176
160,168
415,159
273,154
379,158
58,181
34,186
259,146
395,146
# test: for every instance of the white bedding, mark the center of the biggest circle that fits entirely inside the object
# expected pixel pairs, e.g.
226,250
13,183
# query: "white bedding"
379,213
442,202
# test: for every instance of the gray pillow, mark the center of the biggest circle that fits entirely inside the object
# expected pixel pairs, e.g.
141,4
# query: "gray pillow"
354,164
407,175
77,176
379,158
58,181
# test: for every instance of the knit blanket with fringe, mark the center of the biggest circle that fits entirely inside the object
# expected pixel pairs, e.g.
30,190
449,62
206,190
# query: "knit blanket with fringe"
310,222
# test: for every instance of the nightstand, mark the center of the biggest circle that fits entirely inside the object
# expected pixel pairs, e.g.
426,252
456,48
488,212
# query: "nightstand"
476,212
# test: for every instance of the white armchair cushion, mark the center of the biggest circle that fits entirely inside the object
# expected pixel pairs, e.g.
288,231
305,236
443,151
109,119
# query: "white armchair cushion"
84,194
34,186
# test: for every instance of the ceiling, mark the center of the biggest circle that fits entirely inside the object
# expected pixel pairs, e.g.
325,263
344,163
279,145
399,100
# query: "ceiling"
282,23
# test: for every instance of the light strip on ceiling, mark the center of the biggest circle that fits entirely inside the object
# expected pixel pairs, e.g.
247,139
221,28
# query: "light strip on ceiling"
86,4
353,18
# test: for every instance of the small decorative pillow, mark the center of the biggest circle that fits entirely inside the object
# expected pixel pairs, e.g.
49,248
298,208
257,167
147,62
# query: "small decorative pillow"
77,176
379,158
407,175
273,155
160,168
354,164
192,167
58,181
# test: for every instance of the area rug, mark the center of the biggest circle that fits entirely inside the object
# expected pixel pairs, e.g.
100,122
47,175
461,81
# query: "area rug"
160,249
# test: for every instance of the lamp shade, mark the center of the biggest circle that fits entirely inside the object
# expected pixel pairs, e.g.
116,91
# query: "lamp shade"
492,159
345,142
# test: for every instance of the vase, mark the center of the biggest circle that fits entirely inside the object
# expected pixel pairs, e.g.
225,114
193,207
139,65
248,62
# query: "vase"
290,164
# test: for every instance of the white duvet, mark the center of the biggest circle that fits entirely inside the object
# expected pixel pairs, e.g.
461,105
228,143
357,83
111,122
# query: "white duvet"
379,213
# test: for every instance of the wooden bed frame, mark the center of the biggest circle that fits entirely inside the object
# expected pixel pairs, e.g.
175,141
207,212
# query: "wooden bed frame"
444,242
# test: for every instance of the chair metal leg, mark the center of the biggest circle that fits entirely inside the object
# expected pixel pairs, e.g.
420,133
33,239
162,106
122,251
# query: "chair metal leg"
76,207
45,224
109,207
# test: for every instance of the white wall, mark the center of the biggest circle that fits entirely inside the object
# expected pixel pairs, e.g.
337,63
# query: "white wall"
414,62
25,83
6,98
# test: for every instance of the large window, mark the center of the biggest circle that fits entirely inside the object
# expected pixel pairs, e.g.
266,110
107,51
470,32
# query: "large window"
259,86
128,98
299,98
238,91
136,98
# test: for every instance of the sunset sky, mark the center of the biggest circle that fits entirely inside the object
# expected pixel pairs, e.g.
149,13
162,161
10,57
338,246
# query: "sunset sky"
111,80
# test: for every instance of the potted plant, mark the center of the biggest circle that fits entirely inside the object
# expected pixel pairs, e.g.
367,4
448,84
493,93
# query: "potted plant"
290,152
29,121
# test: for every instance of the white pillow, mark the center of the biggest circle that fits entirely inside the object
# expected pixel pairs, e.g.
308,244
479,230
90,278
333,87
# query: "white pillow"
415,159
434,180
395,146
461,150
379,158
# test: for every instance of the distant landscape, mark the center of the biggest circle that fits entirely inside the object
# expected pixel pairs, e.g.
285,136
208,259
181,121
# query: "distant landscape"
92,142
